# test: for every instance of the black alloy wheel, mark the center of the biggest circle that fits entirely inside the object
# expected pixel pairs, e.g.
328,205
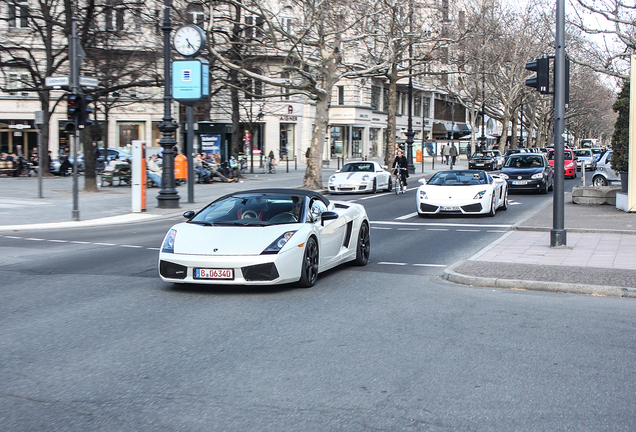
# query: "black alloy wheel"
309,270
364,245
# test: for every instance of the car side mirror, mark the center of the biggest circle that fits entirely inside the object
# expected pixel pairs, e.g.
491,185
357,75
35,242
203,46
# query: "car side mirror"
337,171
189,214
422,181
327,216
384,167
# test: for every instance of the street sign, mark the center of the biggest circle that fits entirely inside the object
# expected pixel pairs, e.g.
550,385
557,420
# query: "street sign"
88,81
59,81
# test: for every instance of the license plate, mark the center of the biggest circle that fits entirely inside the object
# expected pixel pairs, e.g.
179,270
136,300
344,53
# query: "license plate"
227,274
450,208
479,164
520,182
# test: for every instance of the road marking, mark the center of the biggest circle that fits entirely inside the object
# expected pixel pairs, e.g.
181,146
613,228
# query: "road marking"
410,215
105,244
79,242
436,229
34,239
156,249
499,231
12,237
408,229
467,230
59,241
441,224
514,203
382,228
430,265
131,246
391,263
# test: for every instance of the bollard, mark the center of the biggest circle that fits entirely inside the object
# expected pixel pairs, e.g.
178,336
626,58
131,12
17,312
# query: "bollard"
295,163
287,164
583,173
338,159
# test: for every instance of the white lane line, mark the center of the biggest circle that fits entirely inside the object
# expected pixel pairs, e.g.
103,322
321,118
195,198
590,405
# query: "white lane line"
437,229
105,244
408,229
442,224
153,249
467,230
391,263
59,241
408,216
382,228
34,239
79,242
131,246
499,231
12,237
430,265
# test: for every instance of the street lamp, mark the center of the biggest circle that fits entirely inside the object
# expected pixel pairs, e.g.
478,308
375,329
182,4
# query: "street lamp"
482,138
168,196
409,132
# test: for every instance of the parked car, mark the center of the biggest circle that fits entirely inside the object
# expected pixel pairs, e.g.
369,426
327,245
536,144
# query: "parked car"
265,237
462,192
55,165
483,160
569,162
604,174
364,176
528,172
585,155
112,152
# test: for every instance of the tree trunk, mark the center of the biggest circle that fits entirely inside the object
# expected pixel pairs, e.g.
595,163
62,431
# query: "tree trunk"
504,134
391,144
236,117
513,139
313,174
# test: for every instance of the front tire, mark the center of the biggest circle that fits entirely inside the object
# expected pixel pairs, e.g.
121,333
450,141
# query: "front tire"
390,187
364,246
309,269
505,201
493,207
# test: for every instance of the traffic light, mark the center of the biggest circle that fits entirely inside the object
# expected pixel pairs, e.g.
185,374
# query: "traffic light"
85,111
542,81
73,105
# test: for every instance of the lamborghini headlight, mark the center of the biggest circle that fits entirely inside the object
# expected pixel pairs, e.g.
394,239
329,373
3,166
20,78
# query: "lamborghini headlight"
278,244
504,176
168,242
423,195
480,195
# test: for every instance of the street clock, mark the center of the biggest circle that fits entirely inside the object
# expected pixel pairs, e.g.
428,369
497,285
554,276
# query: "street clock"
189,40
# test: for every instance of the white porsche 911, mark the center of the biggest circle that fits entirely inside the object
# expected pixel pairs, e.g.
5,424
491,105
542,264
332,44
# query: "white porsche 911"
265,237
365,176
462,192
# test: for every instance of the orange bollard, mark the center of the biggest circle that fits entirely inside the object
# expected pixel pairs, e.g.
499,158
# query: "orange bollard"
418,156
180,167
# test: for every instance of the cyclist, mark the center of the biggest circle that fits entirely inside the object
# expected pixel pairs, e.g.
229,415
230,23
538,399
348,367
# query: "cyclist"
400,164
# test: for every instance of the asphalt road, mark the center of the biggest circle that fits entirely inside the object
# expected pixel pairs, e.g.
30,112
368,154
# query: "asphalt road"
93,340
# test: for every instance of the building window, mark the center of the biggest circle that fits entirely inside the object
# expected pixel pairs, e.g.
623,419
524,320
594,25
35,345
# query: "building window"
340,95
445,10
386,99
286,20
284,90
376,91
17,81
426,107
18,14
253,27
461,19
417,106
196,15
114,18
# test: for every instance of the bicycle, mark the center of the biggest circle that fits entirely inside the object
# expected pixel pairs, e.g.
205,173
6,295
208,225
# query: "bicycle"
271,169
398,185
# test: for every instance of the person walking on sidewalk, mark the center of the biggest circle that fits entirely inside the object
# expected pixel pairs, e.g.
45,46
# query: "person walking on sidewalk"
453,154
447,153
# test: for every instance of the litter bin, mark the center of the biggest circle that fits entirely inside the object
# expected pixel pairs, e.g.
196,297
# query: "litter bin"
180,168
418,156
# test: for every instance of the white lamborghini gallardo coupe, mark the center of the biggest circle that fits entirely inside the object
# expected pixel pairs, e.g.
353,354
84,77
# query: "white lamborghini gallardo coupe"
265,237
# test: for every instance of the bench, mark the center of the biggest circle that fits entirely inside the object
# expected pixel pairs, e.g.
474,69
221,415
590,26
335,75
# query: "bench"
8,168
121,173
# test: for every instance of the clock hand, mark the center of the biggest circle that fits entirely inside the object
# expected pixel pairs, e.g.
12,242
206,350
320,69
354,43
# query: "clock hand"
190,44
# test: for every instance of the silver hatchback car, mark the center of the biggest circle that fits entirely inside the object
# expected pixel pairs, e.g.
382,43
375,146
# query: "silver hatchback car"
604,174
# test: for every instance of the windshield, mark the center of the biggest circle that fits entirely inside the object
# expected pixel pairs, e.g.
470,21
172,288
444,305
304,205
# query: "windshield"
566,155
529,161
252,210
487,154
458,178
358,167
583,153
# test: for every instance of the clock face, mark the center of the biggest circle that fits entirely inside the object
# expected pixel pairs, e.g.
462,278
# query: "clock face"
189,40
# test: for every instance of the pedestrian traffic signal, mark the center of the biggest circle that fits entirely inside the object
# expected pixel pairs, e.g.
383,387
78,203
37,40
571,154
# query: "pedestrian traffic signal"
74,102
542,81
85,111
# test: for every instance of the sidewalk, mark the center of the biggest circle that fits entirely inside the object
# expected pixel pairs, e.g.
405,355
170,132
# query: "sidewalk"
598,259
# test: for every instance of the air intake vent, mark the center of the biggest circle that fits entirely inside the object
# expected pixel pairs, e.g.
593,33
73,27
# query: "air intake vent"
260,272
172,271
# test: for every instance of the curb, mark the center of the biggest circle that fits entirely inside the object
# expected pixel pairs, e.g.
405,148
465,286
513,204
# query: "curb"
555,287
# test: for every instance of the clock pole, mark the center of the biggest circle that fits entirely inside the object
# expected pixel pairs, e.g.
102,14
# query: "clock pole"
168,196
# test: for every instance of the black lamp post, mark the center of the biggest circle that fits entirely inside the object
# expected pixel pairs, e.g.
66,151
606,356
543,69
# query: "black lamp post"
409,132
168,196
482,138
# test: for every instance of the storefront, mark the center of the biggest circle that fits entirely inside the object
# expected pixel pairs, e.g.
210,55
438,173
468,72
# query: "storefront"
19,137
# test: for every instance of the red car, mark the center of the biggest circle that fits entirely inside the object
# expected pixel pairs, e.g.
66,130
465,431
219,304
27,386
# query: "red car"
569,162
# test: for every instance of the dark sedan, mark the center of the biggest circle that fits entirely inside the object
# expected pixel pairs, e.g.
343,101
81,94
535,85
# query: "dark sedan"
528,171
485,160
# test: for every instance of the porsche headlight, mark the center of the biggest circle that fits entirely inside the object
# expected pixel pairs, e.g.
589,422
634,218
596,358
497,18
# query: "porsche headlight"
423,195
537,176
278,244
503,176
332,179
480,195
168,242
365,177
